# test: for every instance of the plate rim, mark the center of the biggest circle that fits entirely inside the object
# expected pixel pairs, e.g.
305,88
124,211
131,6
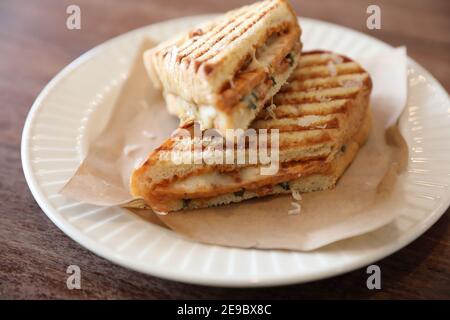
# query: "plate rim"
201,279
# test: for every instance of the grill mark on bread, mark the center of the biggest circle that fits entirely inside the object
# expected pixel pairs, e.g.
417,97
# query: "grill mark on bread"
196,36
325,83
321,71
279,29
207,47
208,68
190,48
316,96
232,169
315,108
229,25
245,63
236,31
332,123
315,58
219,34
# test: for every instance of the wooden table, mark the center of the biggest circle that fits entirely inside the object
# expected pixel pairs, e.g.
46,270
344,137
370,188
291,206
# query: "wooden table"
35,44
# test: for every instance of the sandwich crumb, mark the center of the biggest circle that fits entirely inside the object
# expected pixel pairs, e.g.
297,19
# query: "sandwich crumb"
296,209
130,148
296,206
148,134
296,195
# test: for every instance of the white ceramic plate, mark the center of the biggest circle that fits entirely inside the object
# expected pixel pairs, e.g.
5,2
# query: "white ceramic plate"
71,110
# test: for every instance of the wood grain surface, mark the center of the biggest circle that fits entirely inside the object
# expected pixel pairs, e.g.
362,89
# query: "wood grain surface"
34,254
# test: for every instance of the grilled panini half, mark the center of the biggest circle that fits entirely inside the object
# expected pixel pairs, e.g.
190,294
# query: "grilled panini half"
222,73
323,118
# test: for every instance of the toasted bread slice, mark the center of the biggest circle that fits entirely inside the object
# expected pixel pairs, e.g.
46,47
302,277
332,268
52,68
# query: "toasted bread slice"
222,73
317,113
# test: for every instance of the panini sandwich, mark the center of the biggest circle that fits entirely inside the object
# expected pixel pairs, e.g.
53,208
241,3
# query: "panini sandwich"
322,116
221,74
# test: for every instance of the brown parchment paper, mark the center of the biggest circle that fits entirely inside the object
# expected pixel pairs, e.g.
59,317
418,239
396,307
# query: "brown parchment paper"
365,198
138,123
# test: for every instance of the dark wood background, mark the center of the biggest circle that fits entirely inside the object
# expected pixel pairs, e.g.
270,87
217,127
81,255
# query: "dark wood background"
35,45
